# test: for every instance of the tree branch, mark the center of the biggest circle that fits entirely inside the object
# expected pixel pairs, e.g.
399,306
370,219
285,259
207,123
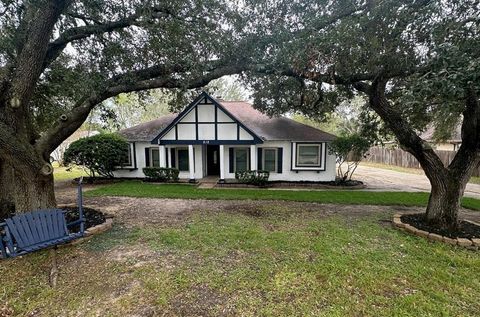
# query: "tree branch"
75,118
407,137
468,155
78,33
28,66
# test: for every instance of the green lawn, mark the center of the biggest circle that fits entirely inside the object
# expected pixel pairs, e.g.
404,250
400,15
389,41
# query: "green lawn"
349,197
278,263
64,173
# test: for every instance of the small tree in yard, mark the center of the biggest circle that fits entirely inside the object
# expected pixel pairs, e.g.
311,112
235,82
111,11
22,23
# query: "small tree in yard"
100,154
350,150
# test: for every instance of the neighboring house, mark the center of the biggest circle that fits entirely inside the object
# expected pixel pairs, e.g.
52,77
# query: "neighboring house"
57,154
451,144
217,138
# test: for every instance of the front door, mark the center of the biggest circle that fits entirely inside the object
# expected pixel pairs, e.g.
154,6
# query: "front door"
213,160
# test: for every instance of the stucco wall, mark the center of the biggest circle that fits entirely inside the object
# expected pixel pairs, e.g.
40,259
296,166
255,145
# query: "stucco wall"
140,158
286,175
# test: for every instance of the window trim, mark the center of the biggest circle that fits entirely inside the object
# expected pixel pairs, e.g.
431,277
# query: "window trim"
264,156
177,156
132,158
151,156
319,153
235,157
294,157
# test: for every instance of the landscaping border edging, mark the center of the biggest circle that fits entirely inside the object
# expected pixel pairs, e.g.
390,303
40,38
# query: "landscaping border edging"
471,244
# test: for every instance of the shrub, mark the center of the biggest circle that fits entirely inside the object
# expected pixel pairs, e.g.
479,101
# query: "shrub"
350,150
161,174
257,178
100,154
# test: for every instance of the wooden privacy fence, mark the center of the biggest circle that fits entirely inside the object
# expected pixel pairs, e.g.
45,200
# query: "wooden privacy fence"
399,157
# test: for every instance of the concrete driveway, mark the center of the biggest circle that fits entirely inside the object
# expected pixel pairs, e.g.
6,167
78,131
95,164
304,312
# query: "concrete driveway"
383,179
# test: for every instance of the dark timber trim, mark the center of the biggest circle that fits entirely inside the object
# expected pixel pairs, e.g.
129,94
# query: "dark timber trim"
196,122
208,142
205,97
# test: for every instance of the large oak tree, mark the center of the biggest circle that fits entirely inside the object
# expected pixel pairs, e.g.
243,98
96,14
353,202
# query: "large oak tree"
417,62
61,58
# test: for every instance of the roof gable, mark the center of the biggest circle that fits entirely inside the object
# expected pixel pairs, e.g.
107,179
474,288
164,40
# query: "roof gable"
206,121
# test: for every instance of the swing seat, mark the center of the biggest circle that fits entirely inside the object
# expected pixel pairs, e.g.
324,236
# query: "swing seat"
32,231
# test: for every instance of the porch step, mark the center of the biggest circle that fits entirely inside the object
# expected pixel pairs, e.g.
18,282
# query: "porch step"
207,185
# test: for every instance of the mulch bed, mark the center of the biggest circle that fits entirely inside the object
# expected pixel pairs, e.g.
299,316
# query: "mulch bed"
300,184
465,229
93,217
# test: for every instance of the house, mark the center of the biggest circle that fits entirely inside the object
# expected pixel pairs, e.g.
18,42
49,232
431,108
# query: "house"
217,138
452,143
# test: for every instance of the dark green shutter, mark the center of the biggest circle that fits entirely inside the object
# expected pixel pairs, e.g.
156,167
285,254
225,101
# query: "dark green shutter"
172,151
249,159
259,158
230,160
147,157
280,160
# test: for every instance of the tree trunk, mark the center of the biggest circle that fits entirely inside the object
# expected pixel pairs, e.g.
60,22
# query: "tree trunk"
7,206
444,202
448,183
24,190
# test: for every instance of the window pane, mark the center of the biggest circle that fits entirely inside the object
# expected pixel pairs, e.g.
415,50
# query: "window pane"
241,160
127,161
182,160
155,157
270,159
308,155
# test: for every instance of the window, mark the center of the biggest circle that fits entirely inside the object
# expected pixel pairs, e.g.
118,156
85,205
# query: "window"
127,161
182,159
155,157
270,160
241,159
308,155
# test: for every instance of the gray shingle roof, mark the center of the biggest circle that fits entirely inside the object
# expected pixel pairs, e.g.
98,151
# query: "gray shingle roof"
275,128
267,128
147,131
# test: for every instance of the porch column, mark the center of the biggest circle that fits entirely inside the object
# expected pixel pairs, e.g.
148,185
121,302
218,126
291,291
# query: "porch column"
253,157
169,157
161,153
191,163
222,163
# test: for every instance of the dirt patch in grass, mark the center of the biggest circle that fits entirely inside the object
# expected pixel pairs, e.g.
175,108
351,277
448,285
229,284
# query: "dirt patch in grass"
200,300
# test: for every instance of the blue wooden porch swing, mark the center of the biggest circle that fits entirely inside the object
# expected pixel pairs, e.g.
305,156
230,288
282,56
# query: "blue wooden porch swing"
39,229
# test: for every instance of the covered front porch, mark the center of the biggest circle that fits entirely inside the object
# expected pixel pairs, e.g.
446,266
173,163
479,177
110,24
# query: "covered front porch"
219,161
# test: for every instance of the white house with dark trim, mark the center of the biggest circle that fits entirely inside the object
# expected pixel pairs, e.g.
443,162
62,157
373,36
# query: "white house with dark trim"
216,138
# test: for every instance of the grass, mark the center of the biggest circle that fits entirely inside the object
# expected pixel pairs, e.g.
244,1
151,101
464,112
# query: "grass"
64,173
349,197
473,179
284,262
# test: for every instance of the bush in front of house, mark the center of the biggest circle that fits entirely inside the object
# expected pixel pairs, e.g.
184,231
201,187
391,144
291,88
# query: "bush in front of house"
100,154
161,174
257,178
349,150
